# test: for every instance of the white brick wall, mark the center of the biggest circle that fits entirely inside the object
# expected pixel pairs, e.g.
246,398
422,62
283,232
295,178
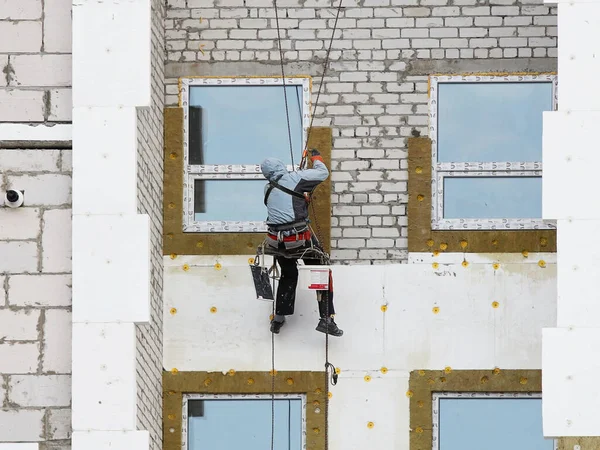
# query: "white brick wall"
375,94
35,47
39,390
35,297
150,183
22,425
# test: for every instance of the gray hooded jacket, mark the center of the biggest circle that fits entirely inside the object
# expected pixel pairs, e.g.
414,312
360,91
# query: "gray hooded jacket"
282,208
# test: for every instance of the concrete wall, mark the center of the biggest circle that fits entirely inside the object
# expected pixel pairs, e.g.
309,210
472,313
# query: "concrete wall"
375,92
150,185
35,61
434,318
35,240
35,299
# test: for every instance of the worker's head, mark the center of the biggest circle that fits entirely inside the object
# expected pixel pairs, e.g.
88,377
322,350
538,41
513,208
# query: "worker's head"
272,167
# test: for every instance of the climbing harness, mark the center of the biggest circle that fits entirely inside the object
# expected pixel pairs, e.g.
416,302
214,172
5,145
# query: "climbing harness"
274,185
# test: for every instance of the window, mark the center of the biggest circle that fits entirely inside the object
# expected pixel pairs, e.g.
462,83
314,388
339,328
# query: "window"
486,134
494,421
243,421
230,126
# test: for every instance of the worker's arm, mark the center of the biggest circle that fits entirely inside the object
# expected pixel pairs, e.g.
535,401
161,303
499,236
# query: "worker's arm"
319,172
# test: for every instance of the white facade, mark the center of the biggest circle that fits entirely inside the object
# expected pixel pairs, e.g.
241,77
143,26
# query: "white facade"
81,265
396,317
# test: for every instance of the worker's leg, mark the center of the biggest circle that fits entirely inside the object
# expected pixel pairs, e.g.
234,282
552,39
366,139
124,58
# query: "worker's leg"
324,298
286,291
326,308
325,301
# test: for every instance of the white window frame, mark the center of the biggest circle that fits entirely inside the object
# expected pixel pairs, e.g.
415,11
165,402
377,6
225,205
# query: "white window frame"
223,171
436,396
439,171
188,397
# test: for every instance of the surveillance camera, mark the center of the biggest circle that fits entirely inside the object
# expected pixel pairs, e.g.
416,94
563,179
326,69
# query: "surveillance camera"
13,198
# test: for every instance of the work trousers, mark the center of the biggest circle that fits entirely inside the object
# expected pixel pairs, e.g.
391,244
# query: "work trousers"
286,291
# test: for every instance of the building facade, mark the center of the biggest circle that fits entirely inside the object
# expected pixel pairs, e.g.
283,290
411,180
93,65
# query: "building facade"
459,138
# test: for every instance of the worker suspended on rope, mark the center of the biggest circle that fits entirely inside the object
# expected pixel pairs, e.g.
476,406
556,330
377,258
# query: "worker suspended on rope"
286,197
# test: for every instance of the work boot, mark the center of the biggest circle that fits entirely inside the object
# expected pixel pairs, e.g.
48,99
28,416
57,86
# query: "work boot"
329,326
276,326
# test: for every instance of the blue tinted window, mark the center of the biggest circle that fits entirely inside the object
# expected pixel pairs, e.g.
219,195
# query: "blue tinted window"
245,124
492,424
246,425
229,200
490,122
492,197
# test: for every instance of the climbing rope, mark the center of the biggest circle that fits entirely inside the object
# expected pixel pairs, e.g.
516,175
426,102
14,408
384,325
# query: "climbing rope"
287,115
324,258
337,16
273,364
287,112
328,367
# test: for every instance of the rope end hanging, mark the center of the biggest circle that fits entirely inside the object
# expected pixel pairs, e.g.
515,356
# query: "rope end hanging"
334,376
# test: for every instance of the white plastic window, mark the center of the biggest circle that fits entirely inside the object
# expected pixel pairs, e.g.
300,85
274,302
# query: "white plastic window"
243,421
491,421
231,125
486,134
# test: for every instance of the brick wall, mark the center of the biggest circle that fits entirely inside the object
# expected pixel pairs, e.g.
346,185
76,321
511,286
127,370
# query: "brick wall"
375,92
150,182
35,60
35,299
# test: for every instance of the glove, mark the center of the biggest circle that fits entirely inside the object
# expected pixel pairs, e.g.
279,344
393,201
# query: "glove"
315,155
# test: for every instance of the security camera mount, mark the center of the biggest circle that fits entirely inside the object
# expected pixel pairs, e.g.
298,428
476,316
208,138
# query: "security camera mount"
14,198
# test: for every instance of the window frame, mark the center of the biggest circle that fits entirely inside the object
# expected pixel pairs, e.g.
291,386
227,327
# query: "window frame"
439,171
435,407
278,396
226,171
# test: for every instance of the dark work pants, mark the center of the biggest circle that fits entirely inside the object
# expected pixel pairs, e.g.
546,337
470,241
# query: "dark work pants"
286,291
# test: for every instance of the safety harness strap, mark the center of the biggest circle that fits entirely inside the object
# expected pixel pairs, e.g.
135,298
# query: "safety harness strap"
273,184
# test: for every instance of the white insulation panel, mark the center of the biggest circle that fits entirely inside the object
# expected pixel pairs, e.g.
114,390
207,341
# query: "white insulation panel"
111,268
571,362
372,414
111,55
569,165
104,377
410,334
578,274
105,140
113,440
579,28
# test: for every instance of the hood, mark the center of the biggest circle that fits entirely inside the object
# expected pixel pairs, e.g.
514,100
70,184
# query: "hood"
271,167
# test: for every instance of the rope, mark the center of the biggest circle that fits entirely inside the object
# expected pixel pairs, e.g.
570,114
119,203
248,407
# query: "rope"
328,365
273,369
339,9
287,115
287,112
